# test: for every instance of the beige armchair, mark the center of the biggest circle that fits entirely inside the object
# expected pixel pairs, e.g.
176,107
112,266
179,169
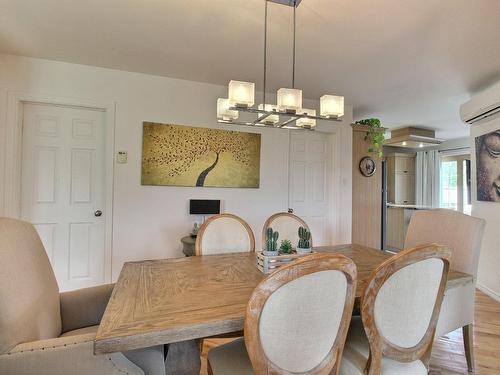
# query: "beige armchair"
45,332
463,235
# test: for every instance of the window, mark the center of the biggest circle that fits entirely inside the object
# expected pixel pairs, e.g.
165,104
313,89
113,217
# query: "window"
448,191
454,184
466,192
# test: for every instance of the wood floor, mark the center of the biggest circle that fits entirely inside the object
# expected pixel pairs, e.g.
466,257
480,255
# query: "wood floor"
448,353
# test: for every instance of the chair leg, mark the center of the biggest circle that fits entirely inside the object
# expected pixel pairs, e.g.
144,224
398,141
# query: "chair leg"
183,358
209,368
468,333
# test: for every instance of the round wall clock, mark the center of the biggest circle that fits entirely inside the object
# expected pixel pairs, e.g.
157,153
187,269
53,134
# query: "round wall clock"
367,166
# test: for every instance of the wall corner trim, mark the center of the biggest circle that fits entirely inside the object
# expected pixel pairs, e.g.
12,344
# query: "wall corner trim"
491,293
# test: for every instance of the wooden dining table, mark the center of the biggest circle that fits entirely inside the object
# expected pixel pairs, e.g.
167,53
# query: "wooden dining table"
157,302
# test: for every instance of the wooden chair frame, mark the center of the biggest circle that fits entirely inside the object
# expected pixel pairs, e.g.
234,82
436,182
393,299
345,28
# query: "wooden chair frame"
273,217
379,346
198,248
304,266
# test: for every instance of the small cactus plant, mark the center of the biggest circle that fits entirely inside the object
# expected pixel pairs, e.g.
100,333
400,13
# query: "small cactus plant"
272,240
304,238
286,247
196,228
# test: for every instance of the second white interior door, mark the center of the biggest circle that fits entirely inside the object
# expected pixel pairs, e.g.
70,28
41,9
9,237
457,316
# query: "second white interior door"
310,182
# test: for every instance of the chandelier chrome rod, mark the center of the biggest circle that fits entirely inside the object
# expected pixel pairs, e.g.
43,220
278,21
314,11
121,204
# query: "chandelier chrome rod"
294,42
274,126
283,113
262,117
285,123
265,54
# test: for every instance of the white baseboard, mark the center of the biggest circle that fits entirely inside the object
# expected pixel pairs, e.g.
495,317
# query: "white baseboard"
488,291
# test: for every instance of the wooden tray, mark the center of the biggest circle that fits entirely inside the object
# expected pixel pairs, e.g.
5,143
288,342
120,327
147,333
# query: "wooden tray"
267,264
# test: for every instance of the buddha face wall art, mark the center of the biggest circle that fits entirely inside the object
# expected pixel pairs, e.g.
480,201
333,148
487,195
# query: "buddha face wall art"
488,167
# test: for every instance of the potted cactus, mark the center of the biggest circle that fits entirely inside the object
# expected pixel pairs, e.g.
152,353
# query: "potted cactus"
304,245
286,247
271,243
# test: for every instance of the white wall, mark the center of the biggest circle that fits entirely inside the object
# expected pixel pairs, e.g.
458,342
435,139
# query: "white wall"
489,262
457,144
149,221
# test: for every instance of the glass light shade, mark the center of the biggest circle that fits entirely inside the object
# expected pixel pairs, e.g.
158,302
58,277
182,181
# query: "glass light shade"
306,122
332,106
241,94
269,120
223,111
289,100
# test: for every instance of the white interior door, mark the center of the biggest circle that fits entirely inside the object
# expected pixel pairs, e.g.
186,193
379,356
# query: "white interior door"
63,189
310,182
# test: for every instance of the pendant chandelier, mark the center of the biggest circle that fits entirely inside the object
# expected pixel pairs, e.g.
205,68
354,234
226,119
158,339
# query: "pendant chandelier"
288,112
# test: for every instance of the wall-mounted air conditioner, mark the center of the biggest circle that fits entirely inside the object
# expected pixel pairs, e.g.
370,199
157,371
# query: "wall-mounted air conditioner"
482,106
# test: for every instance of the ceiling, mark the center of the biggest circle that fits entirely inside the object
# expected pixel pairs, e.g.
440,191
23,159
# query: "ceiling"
409,62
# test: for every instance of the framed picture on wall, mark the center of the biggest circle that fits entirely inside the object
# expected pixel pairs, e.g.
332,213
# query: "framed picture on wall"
488,167
177,155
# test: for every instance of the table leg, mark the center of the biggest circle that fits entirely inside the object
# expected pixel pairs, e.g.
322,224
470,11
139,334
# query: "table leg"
183,358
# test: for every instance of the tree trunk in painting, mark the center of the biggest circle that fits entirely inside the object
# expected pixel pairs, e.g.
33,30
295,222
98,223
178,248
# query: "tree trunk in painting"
201,178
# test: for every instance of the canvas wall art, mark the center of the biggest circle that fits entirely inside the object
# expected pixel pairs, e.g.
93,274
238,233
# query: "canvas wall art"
488,167
177,155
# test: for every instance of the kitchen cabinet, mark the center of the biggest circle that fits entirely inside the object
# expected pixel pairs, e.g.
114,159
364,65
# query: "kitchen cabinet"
401,178
396,229
398,220
404,188
404,163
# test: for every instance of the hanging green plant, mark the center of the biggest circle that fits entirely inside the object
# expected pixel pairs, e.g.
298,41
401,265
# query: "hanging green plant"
375,135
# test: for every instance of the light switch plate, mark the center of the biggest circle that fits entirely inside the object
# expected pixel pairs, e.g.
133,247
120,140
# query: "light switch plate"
121,157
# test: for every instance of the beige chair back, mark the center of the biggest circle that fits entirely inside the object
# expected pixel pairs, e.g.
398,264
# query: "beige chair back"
401,305
461,233
287,225
224,233
297,318
29,295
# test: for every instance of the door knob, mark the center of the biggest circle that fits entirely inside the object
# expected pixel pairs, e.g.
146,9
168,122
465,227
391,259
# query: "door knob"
98,213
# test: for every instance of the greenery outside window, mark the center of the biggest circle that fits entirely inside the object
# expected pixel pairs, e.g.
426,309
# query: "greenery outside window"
454,184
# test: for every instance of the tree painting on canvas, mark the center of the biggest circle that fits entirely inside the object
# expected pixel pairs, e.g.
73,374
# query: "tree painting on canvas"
177,155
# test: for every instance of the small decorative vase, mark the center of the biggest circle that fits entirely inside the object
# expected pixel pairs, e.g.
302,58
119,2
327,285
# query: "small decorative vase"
301,250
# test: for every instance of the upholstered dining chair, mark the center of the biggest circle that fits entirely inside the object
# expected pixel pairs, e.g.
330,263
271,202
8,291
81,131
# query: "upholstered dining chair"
224,233
287,225
399,313
45,332
463,234
296,321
